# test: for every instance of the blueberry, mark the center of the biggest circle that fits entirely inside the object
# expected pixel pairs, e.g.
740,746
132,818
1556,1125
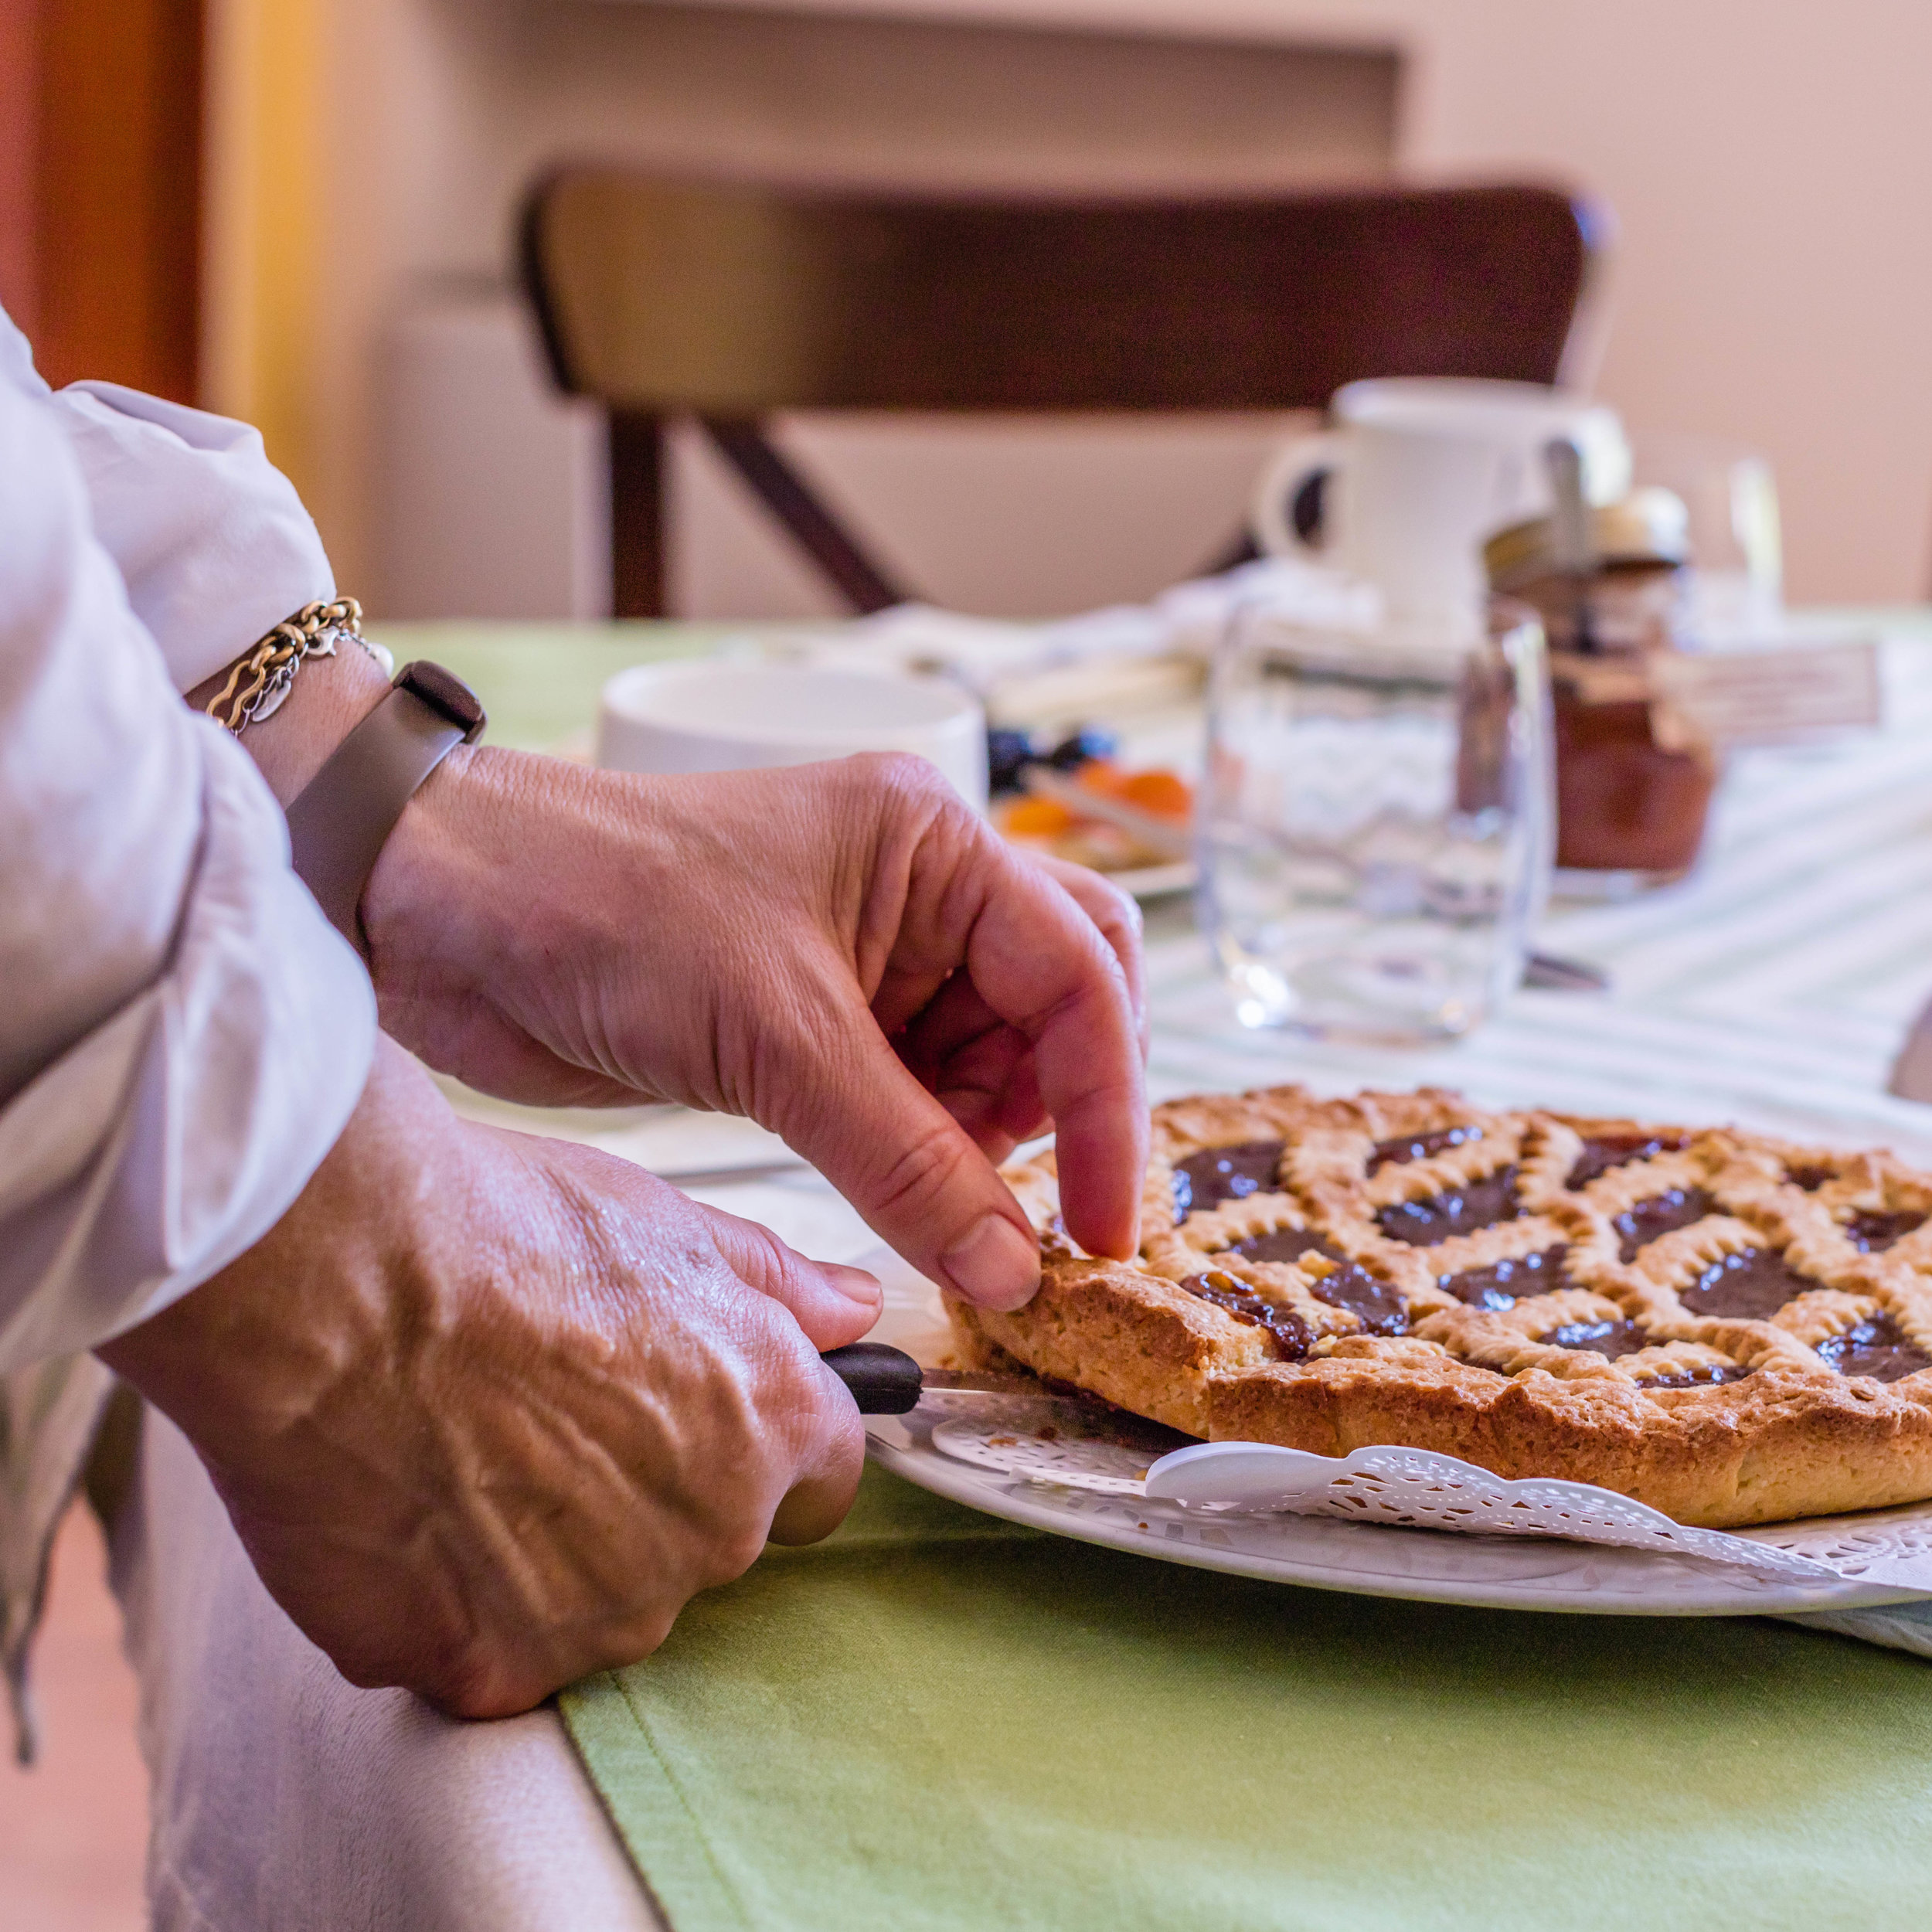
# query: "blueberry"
1007,753
1086,744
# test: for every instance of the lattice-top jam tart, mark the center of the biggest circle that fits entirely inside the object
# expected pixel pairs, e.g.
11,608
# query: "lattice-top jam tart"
1732,1329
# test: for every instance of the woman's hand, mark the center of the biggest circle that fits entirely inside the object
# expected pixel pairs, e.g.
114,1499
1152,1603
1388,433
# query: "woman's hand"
486,1410
843,952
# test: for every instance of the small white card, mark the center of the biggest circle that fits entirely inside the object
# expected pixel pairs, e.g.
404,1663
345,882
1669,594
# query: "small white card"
1765,697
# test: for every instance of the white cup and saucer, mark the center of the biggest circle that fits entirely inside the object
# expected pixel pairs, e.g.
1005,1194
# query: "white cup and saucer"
742,715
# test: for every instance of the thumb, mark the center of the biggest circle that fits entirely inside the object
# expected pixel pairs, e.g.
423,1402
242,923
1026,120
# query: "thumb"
908,1167
832,1304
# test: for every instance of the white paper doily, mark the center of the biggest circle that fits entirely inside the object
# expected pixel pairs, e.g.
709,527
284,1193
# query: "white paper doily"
1416,1489
1886,1543
1375,1520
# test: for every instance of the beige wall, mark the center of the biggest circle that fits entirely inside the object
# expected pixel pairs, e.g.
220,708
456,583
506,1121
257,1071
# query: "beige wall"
1770,162
453,105
1770,165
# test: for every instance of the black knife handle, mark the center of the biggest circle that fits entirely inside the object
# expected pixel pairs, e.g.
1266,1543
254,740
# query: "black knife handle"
884,1381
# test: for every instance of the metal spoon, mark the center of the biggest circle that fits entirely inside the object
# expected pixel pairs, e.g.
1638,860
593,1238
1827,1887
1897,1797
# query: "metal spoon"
1576,544
1557,975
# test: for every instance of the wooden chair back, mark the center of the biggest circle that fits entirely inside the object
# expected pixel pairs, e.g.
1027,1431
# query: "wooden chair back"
730,300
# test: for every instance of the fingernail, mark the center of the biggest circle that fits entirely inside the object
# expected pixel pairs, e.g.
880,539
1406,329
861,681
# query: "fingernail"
854,1284
994,1264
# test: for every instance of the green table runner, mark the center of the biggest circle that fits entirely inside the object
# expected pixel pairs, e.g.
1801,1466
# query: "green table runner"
539,681
938,1720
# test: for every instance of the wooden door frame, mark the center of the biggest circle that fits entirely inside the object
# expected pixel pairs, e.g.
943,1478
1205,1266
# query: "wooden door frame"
101,181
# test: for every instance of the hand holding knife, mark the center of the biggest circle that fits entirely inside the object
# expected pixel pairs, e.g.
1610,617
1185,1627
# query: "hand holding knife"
888,1382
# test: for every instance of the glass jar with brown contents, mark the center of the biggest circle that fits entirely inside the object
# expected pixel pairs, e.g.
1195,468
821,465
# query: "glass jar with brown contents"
1634,778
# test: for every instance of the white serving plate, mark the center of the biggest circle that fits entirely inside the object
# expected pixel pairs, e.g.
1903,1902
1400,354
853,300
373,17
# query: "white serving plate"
1372,1559
1157,881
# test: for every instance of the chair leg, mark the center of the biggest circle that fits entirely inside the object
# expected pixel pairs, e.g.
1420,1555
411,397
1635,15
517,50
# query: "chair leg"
790,498
636,514
1240,550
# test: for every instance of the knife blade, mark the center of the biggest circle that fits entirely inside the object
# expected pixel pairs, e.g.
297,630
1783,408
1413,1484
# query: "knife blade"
1911,1077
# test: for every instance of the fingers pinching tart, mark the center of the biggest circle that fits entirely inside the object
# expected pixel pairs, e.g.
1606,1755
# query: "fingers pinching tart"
1728,1328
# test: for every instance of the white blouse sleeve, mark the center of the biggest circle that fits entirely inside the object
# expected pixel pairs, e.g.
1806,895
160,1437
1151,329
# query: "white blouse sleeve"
210,539
182,1035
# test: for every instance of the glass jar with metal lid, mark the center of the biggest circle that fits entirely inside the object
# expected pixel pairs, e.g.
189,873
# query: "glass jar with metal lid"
1634,781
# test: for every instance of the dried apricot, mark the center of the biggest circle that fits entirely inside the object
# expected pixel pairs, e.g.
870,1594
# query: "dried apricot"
1160,792
1103,776
1035,819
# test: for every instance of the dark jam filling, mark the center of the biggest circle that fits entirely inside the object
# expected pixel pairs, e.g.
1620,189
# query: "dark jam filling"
1877,1347
1873,1233
1701,1374
1603,1151
1218,1174
1614,1338
1420,1147
1610,1338
1662,1214
1285,1244
1378,1308
1810,1179
1461,1210
1749,1287
1292,1337
1505,1283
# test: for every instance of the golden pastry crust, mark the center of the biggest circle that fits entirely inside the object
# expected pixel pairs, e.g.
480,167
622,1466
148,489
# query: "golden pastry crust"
1730,1328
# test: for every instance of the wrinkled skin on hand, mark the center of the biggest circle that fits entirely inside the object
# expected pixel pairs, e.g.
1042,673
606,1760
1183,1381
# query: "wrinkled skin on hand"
843,952
487,1410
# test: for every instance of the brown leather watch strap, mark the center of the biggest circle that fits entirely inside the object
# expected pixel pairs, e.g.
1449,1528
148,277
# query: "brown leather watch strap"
337,826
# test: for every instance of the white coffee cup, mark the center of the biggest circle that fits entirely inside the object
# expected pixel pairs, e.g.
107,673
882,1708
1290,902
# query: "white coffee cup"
1521,419
1418,471
717,715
